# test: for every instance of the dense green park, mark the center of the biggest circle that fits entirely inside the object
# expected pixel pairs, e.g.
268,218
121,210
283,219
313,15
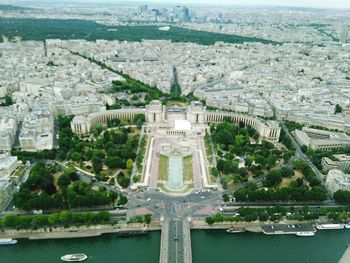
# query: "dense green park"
303,189
239,141
50,188
41,29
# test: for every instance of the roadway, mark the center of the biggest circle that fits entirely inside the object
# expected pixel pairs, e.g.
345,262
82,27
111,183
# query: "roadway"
300,155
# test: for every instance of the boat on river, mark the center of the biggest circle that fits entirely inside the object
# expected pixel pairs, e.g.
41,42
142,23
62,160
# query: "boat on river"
329,226
233,230
305,234
74,257
7,241
130,233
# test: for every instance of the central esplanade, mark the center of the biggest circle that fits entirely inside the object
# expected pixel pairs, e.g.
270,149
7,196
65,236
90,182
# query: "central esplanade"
172,120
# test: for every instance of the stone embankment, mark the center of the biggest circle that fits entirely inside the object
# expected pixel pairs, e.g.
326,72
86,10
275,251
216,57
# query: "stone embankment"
75,232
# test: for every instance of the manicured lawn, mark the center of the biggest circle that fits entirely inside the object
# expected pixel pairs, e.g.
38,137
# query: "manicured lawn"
163,168
188,171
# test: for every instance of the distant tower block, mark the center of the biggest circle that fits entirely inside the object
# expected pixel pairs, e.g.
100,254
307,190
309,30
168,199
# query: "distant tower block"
344,35
45,48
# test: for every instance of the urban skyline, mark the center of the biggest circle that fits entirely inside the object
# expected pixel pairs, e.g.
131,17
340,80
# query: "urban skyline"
179,125
282,3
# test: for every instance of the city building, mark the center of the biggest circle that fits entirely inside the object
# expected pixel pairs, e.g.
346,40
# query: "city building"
337,180
8,164
340,161
322,140
37,131
164,119
8,129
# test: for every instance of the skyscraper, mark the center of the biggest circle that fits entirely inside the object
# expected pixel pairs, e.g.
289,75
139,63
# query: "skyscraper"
344,34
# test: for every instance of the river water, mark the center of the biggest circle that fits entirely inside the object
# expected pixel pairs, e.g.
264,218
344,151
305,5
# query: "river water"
217,246
103,249
207,247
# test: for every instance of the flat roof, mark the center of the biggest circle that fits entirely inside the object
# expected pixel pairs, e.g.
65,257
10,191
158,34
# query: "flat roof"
183,125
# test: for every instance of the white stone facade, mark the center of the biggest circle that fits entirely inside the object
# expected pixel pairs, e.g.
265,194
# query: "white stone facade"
8,164
322,140
337,180
158,117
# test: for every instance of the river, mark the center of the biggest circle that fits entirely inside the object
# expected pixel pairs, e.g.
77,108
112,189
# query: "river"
207,247
103,249
217,246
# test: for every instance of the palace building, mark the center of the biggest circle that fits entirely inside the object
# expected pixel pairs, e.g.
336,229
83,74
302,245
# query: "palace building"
176,120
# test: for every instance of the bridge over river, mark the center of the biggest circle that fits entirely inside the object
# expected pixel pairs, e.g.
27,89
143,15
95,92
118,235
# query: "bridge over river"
176,241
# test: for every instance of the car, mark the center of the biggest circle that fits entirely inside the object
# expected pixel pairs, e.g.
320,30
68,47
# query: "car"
148,199
202,197
37,212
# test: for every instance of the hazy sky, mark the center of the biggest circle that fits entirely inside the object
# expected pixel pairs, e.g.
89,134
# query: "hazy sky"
309,3
301,3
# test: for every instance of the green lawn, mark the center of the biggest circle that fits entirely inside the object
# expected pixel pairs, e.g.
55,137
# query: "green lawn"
208,147
163,168
20,170
188,171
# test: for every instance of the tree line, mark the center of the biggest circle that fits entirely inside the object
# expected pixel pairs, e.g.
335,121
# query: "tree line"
277,213
63,219
41,29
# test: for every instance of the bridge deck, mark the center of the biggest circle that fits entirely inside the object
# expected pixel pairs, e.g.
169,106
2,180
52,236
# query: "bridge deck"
176,241
346,256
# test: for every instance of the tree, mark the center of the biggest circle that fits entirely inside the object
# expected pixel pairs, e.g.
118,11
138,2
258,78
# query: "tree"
286,171
75,156
273,178
114,162
240,194
248,161
209,220
220,165
271,160
240,140
338,109
63,181
97,164
342,196
243,171
226,197
241,124
303,148
129,164
123,180
148,218
7,101
96,130
123,200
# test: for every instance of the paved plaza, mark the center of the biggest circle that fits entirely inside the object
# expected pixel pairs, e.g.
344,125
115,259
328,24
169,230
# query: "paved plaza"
175,174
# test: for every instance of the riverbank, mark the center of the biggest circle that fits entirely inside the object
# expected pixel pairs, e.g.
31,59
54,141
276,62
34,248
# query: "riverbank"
249,226
98,230
78,232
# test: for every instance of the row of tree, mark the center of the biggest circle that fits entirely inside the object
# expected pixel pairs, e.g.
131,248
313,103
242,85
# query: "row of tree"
247,214
62,219
299,193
